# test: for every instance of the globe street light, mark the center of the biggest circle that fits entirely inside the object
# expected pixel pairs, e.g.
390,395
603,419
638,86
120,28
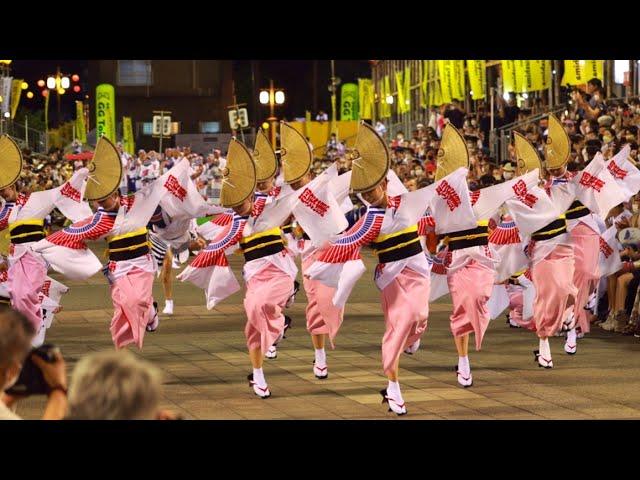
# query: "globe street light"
272,97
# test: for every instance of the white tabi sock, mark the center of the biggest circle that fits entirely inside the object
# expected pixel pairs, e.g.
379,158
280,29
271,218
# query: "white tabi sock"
168,303
463,365
321,357
545,349
571,336
393,391
258,377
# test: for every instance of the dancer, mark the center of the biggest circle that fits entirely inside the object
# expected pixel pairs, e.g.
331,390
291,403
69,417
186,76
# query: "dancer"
123,222
269,271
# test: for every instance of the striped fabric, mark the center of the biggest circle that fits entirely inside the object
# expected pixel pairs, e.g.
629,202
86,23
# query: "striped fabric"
260,200
438,265
506,233
213,254
158,248
4,214
92,228
475,195
426,224
347,248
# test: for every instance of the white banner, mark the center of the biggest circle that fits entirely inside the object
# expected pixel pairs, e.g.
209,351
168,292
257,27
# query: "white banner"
5,93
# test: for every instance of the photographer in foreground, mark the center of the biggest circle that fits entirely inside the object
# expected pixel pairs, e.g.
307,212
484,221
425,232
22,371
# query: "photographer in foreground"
15,347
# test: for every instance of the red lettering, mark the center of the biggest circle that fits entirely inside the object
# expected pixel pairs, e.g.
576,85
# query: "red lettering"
520,189
616,171
448,194
605,248
314,203
175,188
590,181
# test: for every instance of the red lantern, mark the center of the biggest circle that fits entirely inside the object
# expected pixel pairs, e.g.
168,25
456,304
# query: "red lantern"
75,78
45,93
41,83
76,88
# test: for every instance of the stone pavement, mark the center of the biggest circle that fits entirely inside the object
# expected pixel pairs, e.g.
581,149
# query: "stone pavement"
202,355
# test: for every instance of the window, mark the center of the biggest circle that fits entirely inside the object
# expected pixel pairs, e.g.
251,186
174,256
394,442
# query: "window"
209,127
134,73
147,128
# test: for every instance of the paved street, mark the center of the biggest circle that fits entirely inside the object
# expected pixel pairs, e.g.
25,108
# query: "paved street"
203,357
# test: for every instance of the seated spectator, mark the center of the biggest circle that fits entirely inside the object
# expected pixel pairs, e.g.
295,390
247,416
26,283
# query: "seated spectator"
16,333
115,385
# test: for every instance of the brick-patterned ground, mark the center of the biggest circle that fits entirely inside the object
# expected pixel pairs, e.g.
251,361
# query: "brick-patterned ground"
202,354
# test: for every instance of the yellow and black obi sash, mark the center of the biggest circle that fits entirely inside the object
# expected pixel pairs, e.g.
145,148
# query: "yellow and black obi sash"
472,237
555,228
25,231
398,245
4,301
129,246
262,244
576,210
289,229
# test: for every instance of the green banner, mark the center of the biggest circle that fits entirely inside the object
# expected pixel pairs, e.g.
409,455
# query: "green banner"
81,130
365,100
127,135
16,93
106,111
349,102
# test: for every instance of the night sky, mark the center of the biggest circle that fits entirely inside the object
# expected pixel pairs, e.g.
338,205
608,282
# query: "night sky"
294,76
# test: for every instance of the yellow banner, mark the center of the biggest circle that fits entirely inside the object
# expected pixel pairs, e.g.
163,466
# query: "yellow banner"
402,106
509,83
477,78
106,111
458,89
128,142
46,109
540,74
407,88
385,108
446,88
365,92
579,72
423,84
16,92
81,131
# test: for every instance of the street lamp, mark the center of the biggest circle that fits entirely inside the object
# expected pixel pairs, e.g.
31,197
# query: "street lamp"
272,97
60,82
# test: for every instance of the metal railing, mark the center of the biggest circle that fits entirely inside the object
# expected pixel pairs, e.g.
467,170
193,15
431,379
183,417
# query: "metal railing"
26,137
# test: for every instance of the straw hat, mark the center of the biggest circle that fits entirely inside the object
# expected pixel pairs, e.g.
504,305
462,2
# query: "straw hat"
105,171
238,177
526,155
453,152
370,160
558,146
10,161
295,153
264,157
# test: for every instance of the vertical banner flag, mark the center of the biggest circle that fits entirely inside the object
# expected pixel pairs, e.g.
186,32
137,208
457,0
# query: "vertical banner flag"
399,87
386,108
365,98
81,130
444,73
579,72
540,74
477,78
127,135
508,76
46,109
458,89
407,88
5,93
16,93
106,111
423,85
349,102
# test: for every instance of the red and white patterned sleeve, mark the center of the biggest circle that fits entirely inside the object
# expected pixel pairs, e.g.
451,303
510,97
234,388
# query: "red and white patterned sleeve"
92,228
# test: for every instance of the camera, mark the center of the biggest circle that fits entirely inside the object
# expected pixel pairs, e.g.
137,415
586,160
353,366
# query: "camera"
31,381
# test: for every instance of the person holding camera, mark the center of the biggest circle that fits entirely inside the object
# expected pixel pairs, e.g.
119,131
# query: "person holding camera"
25,373
591,105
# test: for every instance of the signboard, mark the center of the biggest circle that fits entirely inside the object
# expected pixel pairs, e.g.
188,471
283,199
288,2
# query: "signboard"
162,124
238,118
106,111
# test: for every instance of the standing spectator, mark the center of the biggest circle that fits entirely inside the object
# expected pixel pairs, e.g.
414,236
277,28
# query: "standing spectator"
455,114
322,116
222,162
509,112
380,128
594,107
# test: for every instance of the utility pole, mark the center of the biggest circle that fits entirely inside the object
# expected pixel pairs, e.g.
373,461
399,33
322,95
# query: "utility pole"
236,106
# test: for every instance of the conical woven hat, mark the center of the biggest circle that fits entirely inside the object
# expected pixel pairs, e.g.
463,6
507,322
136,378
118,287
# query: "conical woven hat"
371,159
238,177
558,146
453,152
526,155
10,161
265,157
295,153
105,171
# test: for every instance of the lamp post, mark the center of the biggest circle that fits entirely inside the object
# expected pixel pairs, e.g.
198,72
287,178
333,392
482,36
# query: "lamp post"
272,97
